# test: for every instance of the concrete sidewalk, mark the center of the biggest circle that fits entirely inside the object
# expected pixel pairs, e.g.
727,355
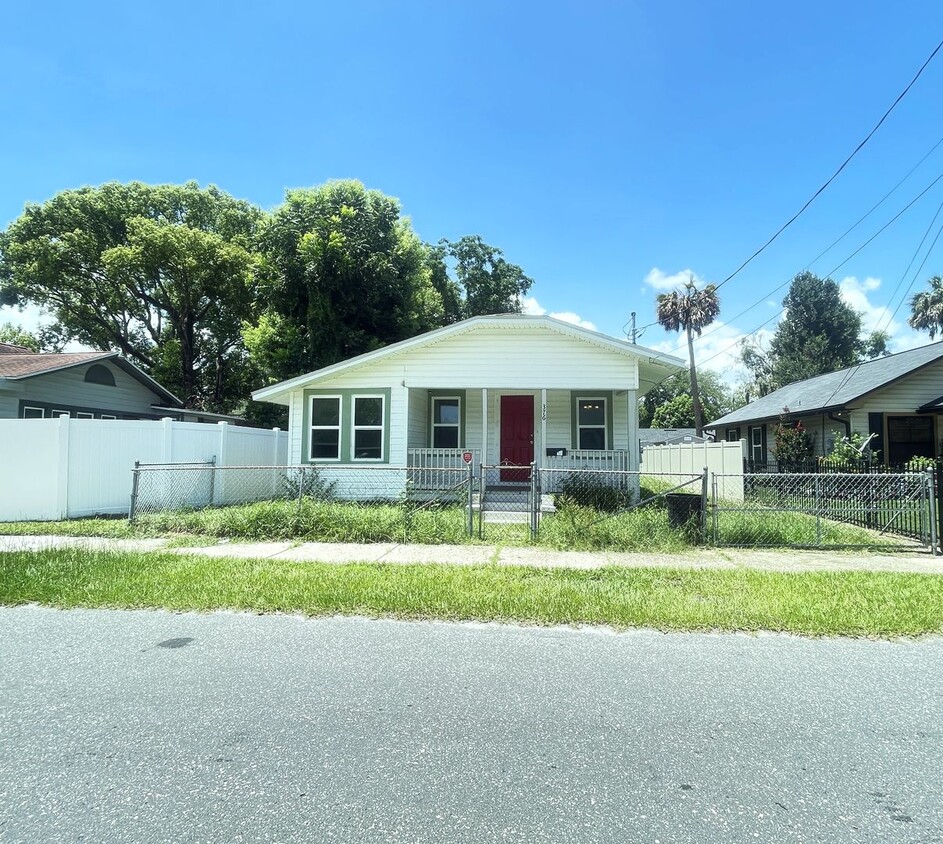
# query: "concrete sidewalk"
340,553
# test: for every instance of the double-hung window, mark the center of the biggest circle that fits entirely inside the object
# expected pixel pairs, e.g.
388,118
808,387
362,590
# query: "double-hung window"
756,445
367,439
446,421
591,424
325,428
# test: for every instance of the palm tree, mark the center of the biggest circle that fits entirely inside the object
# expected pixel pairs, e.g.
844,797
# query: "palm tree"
927,309
692,310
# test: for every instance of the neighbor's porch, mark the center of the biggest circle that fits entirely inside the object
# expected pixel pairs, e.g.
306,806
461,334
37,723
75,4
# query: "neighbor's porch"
582,428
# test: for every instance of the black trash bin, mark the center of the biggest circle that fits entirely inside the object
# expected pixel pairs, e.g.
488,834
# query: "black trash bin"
683,507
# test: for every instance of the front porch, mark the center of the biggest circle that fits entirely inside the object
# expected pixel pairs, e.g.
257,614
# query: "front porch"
558,429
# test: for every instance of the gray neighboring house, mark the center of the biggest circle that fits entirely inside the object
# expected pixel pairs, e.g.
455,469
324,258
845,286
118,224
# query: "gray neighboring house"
84,385
896,399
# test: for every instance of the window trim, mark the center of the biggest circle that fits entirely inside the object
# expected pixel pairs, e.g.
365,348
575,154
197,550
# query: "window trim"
83,414
756,430
108,416
339,427
354,427
42,412
604,426
733,435
57,414
459,426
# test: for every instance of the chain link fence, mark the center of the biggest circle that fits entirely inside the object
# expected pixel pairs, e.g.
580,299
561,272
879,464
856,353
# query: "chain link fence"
179,487
826,509
772,510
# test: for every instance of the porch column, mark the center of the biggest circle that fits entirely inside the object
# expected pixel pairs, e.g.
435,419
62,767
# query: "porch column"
633,430
540,457
484,425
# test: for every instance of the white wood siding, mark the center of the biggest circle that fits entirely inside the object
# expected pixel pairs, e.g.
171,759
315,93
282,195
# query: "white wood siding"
418,419
499,359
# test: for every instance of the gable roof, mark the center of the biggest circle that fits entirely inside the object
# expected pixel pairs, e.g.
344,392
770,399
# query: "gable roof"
835,389
17,366
439,334
10,349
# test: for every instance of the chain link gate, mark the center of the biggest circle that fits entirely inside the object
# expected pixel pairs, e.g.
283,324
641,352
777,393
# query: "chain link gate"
816,510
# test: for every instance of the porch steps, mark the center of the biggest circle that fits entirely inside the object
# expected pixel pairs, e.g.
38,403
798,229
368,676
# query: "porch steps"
509,506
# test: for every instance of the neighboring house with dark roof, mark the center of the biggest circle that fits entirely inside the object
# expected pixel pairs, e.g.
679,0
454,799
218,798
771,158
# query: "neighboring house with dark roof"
897,400
84,385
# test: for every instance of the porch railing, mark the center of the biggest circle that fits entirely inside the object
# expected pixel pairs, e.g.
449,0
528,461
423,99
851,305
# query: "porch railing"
610,460
440,458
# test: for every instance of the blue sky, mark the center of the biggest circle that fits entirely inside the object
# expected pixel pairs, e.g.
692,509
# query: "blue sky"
607,148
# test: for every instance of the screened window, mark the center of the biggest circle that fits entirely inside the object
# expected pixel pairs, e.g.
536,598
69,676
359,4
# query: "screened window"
446,422
368,428
325,428
591,423
33,413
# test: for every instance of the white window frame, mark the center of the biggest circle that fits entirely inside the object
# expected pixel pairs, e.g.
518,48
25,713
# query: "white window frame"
457,425
339,427
57,413
108,416
604,426
354,427
733,435
84,415
42,412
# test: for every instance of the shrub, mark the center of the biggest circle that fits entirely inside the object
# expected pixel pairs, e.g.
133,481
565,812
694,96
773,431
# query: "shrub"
590,491
794,445
920,464
307,482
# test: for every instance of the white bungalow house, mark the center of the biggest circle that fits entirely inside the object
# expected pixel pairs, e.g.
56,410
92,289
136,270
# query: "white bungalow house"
512,389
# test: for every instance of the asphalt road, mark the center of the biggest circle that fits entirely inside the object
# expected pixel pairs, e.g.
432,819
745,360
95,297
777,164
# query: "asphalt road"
151,726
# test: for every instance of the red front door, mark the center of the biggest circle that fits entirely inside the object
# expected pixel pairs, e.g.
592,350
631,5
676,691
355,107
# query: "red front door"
517,436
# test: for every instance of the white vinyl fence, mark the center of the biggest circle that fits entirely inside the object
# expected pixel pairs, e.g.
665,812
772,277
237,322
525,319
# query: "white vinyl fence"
686,459
64,468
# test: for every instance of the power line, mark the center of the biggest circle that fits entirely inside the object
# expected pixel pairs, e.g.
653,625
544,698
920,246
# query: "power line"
837,267
834,175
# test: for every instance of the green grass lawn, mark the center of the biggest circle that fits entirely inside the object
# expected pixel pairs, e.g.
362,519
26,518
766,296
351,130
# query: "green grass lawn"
875,604
571,528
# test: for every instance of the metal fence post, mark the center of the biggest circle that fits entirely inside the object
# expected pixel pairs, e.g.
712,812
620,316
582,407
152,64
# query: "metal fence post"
301,488
714,507
818,511
931,508
704,507
135,472
533,500
471,497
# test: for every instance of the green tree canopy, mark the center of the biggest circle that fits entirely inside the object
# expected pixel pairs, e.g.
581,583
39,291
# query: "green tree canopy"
485,282
343,274
819,333
669,404
927,309
162,273
16,336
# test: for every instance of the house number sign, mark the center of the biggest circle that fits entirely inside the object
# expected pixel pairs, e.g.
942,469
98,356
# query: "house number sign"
543,412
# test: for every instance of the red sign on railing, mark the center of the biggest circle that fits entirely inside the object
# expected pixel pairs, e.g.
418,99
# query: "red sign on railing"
467,456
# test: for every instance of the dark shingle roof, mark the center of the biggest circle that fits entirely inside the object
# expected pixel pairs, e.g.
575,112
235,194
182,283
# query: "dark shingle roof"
10,349
18,365
835,389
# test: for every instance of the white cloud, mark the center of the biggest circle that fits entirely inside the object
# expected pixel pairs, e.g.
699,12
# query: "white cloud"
660,280
855,293
530,305
718,349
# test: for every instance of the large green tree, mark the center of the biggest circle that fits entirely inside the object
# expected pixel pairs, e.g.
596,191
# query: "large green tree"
819,333
690,310
162,273
927,309
343,274
484,281
669,404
